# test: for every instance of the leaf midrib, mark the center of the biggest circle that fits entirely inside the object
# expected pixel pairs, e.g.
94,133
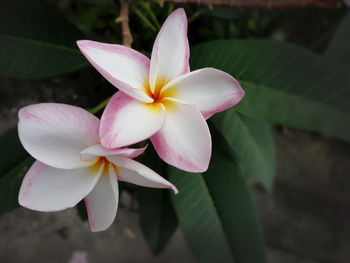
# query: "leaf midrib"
206,189
255,145
223,43
41,43
294,96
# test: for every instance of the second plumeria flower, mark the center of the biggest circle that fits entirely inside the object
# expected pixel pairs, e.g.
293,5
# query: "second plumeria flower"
160,98
72,165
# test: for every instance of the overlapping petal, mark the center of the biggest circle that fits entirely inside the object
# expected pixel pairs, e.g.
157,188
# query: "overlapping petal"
210,89
91,152
170,52
134,172
126,121
45,188
55,134
102,202
124,67
184,141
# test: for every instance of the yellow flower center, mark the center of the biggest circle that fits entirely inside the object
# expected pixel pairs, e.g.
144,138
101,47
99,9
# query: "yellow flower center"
95,168
159,95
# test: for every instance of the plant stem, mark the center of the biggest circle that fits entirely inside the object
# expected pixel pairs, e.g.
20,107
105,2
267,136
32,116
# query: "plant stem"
196,15
99,107
144,19
170,9
148,9
124,20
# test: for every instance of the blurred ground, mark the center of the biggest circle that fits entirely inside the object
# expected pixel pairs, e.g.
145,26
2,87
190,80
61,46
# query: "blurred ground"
28,236
305,219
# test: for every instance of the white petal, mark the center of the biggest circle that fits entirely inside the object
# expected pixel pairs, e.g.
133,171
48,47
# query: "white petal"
55,134
124,67
102,203
134,172
45,188
210,89
91,152
170,52
126,121
184,141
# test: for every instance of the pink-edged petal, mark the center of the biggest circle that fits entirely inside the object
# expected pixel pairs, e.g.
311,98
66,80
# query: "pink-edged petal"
102,202
45,188
134,172
91,152
212,90
184,141
124,67
170,52
55,134
126,121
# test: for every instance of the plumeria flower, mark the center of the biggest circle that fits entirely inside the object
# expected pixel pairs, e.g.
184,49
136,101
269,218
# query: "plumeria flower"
72,164
160,98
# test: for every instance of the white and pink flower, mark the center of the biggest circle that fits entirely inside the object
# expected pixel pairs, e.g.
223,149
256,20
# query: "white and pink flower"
72,164
160,98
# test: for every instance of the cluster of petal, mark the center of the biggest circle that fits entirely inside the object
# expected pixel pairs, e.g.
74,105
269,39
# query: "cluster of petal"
72,165
160,99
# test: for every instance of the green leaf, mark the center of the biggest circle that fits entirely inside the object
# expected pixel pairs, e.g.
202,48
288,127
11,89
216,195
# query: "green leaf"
250,142
81,208
224,13
217,214
284,84
338,48
36,41
157,216
10,183
14,163
11,152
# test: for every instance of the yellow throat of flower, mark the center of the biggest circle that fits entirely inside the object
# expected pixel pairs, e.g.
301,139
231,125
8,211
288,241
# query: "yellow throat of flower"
159,95
95,168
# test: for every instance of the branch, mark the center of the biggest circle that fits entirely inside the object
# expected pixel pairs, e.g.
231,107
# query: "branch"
280,4
124,20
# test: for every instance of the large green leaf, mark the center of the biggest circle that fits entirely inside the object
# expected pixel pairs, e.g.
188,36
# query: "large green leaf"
224,13
216,213
284,84
11,151
36,41
10,184
157,216
250,142
339,47
14,163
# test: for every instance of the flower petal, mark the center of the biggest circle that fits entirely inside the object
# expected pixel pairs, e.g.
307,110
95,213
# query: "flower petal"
126,121
210,89
98,150
184,141
124,67
45,188
134,172
55,134
102,202
170,52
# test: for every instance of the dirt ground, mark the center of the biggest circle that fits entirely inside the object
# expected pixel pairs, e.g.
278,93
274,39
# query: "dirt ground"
305,219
